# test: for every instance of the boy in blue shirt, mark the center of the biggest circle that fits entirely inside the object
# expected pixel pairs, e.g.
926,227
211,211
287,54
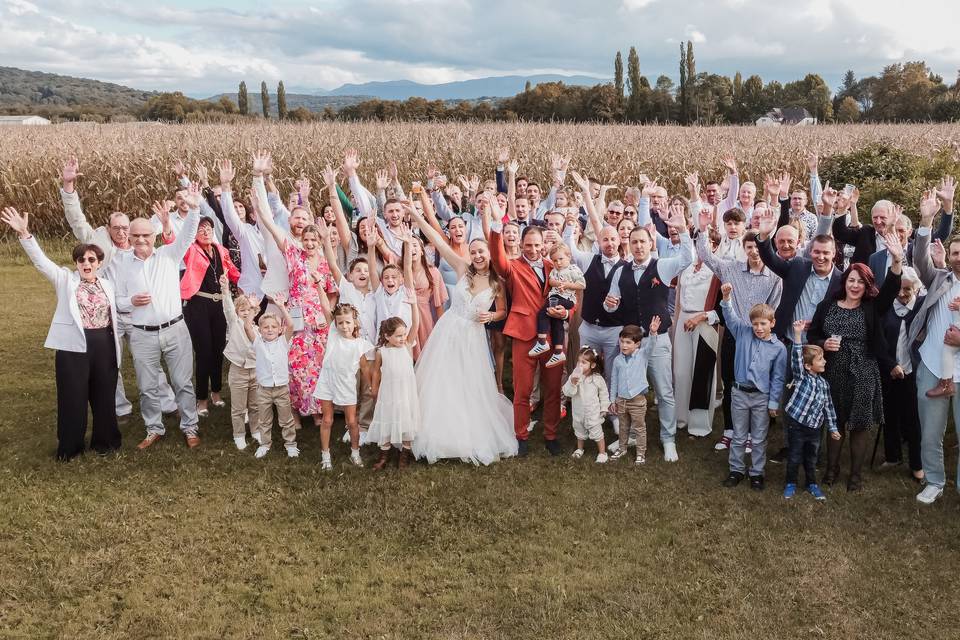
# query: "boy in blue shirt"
810,407
759,368
629,386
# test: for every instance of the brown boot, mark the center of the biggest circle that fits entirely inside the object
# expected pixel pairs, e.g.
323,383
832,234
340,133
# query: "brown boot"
406,456
383,460
944,389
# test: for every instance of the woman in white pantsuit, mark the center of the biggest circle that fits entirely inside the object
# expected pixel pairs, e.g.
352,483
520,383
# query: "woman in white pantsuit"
695,345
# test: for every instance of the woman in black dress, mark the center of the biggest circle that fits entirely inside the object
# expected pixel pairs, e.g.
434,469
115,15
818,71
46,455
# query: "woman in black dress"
849,328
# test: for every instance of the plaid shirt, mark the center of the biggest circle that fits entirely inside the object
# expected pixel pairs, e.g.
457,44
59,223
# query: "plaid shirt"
810,404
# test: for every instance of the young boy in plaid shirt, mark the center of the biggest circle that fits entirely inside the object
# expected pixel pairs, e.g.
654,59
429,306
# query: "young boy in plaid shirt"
809,408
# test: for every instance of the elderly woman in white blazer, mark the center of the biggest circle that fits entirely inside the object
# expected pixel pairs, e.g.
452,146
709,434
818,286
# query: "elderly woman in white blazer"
87,346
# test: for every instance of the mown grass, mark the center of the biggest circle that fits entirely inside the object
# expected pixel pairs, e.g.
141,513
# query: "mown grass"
211,543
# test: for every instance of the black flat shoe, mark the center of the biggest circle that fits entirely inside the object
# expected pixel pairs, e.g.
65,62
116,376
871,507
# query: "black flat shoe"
733,479
553,447
522,448
756,483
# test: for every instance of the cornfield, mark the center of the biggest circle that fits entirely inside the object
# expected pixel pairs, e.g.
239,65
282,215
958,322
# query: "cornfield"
127,166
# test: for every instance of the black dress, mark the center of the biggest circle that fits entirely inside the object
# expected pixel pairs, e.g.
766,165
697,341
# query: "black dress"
852,372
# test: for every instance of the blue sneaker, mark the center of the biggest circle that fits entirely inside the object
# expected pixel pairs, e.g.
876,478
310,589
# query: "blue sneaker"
816,493
789,491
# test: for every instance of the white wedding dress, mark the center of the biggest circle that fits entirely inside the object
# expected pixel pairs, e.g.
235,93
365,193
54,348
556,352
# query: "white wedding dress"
463,414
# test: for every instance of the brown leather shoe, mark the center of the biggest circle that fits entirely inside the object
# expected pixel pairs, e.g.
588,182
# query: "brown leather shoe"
383,460
406,457
193,440
148,441
944,389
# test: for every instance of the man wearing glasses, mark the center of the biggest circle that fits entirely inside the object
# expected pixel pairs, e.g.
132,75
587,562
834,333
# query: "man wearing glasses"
114,240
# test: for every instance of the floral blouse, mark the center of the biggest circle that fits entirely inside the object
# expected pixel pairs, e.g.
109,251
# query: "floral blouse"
94,305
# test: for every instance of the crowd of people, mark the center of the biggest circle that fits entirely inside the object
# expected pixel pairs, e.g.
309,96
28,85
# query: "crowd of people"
396,308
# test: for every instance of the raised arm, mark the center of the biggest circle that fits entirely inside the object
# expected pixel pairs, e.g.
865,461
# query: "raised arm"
20,224
188,232
945,191
921,246
72,209
439,242
262,165
596,223
343,227
670,268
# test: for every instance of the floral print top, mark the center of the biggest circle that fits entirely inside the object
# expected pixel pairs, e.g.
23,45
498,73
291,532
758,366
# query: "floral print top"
94,305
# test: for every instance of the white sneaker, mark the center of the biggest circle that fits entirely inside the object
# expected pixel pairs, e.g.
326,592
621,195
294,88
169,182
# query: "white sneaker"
355,458
556,360
670,452
749,446
293,452
619,453
540,347
577,454
241,442
363,438
613,447
929,494
641,459
256,436
346,438
530,426
326,464
602,458
261,451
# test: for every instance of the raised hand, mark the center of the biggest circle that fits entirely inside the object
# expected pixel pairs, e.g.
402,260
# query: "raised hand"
351,161
224,282
829,196
513,166
677,221
580,181
928,207
162,211
70,172
180,169
692,180
706,217
798,327
201,171
330,178
474,183
894,248
938,254
383,180
503,155
262,164
432,172
768,223
725,290
897,212
784,183
812,162
303,187
654,325
193,196
729,162
771,185
16,221
946,190
649,187
227,174
392,171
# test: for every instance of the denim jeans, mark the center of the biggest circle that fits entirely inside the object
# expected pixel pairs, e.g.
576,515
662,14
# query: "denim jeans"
803,444
933,426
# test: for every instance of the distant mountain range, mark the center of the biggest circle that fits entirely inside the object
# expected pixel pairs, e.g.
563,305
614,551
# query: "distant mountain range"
493,87
30,89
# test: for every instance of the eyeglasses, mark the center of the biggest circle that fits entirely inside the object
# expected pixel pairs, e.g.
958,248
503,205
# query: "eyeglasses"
88,260
120,229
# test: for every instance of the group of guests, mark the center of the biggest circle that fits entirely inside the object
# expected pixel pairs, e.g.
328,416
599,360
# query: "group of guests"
397,310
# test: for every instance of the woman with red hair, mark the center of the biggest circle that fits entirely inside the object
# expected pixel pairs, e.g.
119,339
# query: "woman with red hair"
849,327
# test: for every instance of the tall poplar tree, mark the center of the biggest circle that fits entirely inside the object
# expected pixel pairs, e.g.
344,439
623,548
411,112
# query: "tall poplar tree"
242,99
281,101
265,99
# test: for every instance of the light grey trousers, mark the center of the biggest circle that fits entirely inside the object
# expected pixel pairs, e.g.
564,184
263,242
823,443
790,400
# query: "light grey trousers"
751,418
172,346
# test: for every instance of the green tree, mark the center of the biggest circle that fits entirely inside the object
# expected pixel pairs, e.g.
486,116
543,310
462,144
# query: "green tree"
662,104
905,92
242,99
638,87
265,99
618,74
693,106
281,101
226,105
754,98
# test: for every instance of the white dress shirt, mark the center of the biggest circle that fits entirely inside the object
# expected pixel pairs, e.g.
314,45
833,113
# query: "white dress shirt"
273,369
939,318
158,275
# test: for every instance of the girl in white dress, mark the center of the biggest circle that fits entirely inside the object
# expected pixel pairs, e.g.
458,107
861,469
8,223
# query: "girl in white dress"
396,417
337,385
464,416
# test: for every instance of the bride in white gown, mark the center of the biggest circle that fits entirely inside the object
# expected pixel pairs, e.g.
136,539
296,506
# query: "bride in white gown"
463,414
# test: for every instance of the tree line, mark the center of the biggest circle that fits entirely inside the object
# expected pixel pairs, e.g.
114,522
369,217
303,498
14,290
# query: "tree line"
903,92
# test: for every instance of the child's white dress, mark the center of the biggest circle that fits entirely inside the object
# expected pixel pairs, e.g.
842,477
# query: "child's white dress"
338,376
397,415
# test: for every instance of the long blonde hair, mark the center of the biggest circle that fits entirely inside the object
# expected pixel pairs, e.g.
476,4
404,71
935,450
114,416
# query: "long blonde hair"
492,278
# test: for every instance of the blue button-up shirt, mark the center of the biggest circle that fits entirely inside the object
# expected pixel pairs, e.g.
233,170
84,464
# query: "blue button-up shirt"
629,377
758,363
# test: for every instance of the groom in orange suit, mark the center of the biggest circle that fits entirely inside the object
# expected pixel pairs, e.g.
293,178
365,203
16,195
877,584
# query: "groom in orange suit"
527,281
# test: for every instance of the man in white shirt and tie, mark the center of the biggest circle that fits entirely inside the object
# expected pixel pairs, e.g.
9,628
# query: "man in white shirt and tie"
148,287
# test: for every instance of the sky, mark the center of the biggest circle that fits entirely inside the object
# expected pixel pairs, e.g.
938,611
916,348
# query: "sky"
204,48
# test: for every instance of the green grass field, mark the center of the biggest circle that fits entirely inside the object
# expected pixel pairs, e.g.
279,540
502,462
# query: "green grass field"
210,543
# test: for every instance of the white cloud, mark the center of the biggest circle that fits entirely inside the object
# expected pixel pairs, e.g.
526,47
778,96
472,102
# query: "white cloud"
694,35
636,5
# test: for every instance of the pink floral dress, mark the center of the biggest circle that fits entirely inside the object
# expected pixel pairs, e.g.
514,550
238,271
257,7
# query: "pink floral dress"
428,301
307,346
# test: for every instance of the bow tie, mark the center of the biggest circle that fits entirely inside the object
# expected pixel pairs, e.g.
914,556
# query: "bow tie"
610,261
638,267
536,265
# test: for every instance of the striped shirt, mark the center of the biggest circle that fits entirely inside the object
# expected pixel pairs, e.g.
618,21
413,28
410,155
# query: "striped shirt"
810,404
749,287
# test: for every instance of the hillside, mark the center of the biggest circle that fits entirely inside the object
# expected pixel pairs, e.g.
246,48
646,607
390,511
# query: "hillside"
49,93
312,102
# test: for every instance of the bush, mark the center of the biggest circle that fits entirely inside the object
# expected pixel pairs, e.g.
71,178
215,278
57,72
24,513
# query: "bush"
884,172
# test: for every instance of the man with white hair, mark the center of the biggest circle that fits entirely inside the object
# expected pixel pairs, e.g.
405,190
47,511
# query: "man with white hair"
866,239
114,240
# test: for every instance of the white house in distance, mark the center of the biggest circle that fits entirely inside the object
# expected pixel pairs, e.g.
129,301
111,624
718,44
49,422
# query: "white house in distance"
790,116
22,120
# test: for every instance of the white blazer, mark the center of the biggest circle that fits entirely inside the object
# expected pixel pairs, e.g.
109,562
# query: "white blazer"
66,330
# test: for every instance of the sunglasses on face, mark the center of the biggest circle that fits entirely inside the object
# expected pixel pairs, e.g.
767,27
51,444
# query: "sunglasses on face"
88,260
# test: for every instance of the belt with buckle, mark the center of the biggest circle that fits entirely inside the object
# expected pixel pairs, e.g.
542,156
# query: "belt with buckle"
745,388
216,297
157,327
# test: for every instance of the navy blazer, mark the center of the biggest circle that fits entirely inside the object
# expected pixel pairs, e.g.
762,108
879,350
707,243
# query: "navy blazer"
794,273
